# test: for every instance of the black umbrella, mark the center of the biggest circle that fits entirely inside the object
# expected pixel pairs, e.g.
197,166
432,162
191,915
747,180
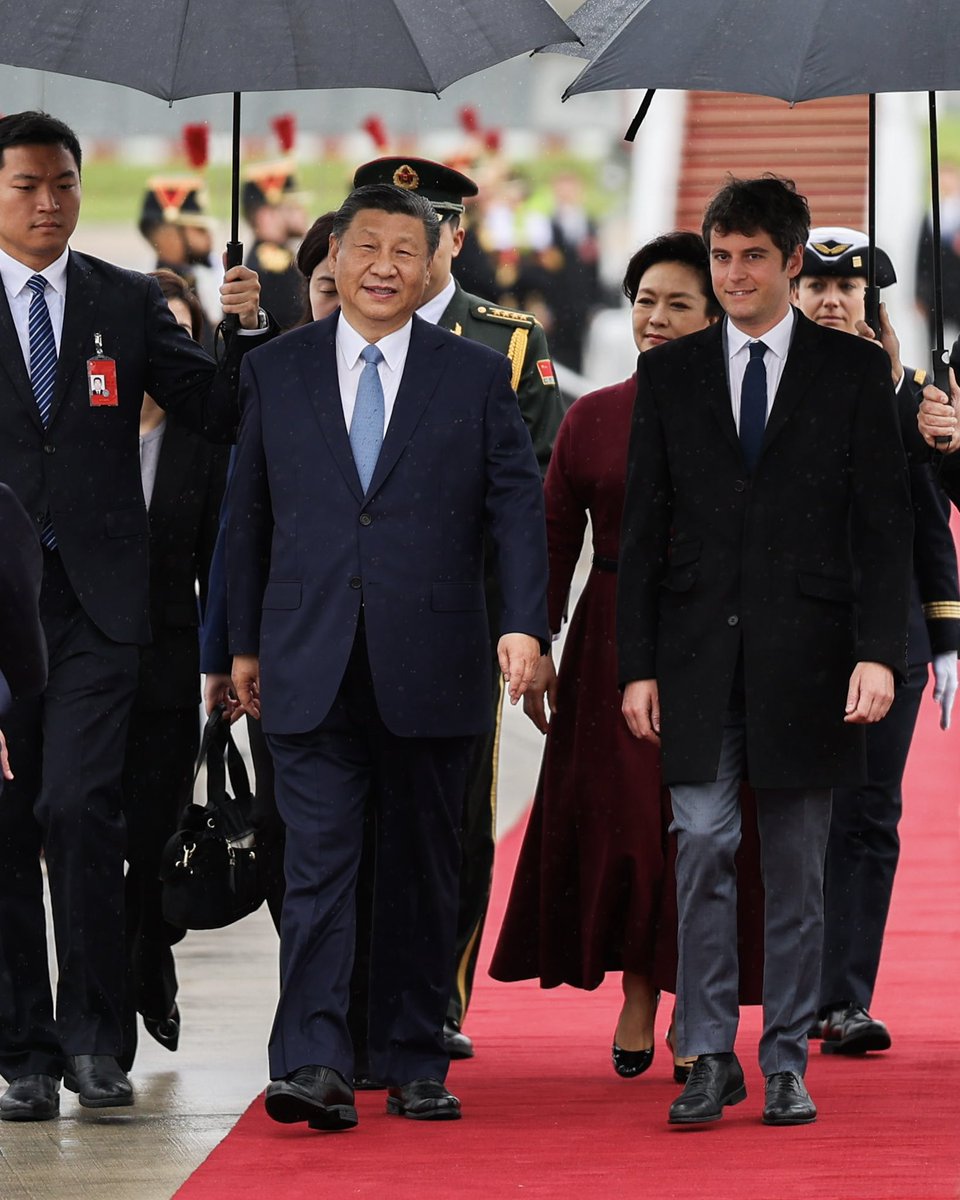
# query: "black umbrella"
179,48
790,49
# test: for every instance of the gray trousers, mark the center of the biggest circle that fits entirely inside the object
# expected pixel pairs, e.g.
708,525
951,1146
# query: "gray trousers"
794,824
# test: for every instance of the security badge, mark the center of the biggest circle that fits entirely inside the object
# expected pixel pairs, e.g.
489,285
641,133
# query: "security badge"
102,377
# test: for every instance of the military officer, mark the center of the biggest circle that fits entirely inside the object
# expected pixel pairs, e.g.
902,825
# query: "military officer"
863,845
272,209
521,339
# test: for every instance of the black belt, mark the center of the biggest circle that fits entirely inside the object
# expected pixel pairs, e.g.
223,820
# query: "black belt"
605,564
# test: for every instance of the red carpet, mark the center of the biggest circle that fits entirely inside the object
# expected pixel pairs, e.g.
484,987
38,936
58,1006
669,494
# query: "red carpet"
546,1116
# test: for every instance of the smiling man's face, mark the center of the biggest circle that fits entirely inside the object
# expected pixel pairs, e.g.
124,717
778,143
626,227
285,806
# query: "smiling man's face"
751,280
381,267
39,203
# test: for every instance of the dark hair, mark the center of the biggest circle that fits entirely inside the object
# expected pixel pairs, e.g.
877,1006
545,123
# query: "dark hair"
680,247
769,205
315,245
389,199
175,287
38,129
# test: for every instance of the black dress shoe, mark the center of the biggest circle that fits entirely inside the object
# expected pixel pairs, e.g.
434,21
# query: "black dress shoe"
788,1101
100,1081
630,1063
31,1098
366,1083
455,1041
423,1100
166,1031
851,1030
318,1095
716,1080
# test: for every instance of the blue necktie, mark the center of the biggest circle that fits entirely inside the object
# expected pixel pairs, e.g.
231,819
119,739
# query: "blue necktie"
366,428
43,368
753,405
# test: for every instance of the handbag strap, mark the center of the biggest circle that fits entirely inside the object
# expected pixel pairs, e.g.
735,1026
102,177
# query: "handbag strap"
217,741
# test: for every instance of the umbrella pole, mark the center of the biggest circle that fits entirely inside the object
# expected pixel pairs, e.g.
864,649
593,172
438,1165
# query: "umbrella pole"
872,297
234,256
939,355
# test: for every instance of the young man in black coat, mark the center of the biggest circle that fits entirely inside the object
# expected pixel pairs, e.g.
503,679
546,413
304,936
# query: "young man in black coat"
762,615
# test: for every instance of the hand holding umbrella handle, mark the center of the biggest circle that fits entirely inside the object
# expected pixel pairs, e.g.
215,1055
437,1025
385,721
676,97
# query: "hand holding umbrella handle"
941,379
233,258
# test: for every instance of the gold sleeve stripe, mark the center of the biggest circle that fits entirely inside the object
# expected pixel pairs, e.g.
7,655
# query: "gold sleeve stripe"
942,610
517,352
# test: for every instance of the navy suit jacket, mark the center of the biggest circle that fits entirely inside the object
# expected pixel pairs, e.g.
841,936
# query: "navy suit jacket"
23,650
305,546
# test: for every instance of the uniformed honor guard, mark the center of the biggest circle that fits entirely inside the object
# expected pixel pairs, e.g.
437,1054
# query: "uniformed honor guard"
863,844
520,337
272,208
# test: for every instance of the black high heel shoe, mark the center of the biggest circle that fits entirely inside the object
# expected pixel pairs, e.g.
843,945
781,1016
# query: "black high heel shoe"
166,1030
630,1063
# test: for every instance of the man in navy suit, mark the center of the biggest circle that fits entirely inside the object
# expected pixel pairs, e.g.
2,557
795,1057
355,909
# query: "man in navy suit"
374,452
70,452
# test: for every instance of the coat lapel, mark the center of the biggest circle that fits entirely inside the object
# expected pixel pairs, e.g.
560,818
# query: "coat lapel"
323,387
12,363
804,360
80,315
421,374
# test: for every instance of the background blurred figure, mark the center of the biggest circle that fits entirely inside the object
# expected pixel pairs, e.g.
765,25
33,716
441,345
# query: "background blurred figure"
313,263
183,480
863,846
950,260
592,888
272,207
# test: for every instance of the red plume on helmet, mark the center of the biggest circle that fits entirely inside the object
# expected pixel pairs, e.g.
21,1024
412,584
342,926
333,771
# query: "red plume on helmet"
285,127
469,120
492,140
196,139
377,131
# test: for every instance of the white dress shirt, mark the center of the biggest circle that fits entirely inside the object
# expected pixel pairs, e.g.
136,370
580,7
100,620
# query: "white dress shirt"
15,275
434,309
350,366
777,342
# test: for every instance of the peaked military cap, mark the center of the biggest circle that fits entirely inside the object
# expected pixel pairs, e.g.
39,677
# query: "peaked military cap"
177,200
444,187
835,250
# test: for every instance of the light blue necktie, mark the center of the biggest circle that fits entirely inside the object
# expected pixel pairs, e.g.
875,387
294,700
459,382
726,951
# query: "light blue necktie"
43,368
366,428
753,405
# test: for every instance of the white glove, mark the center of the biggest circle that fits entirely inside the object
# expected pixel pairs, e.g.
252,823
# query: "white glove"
945,685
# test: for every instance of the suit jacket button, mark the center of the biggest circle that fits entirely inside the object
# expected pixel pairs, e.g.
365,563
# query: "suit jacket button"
366,519
740,485
356,582
48,449
734,620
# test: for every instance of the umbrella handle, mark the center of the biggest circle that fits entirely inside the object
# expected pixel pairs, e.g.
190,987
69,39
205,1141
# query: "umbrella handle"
941,379
872,304
231,322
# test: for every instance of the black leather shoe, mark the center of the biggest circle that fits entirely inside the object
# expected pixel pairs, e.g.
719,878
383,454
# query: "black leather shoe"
166,1031
31,1098
318,1095
630,1063
100,1081
716,1080
852,1030
365,1083
423,1100
788,1101
455,1041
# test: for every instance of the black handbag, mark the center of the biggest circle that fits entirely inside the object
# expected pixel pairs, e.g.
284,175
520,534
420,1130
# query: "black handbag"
209,867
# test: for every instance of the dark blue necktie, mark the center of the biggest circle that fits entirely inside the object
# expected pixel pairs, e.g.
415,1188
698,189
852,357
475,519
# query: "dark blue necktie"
366,427
43,368
753,405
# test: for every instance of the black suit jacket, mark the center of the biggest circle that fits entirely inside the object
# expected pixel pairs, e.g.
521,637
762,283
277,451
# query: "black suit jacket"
184,515
83,469
305,546
23,651
803,568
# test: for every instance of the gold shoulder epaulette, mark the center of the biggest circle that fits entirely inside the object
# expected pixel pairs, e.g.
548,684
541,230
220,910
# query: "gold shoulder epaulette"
505,316
273,258
920,376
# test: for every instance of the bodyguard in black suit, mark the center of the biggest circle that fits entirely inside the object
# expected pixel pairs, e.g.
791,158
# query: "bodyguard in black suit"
23,649
81,342
762,611
357,620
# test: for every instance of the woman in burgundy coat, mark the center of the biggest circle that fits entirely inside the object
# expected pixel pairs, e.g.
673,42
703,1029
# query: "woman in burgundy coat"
593,889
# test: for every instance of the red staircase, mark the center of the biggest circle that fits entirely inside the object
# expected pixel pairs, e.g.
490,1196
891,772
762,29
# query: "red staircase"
820,144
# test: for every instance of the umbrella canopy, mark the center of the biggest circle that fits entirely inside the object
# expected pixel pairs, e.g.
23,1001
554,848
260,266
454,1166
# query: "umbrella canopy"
791,49
178,48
